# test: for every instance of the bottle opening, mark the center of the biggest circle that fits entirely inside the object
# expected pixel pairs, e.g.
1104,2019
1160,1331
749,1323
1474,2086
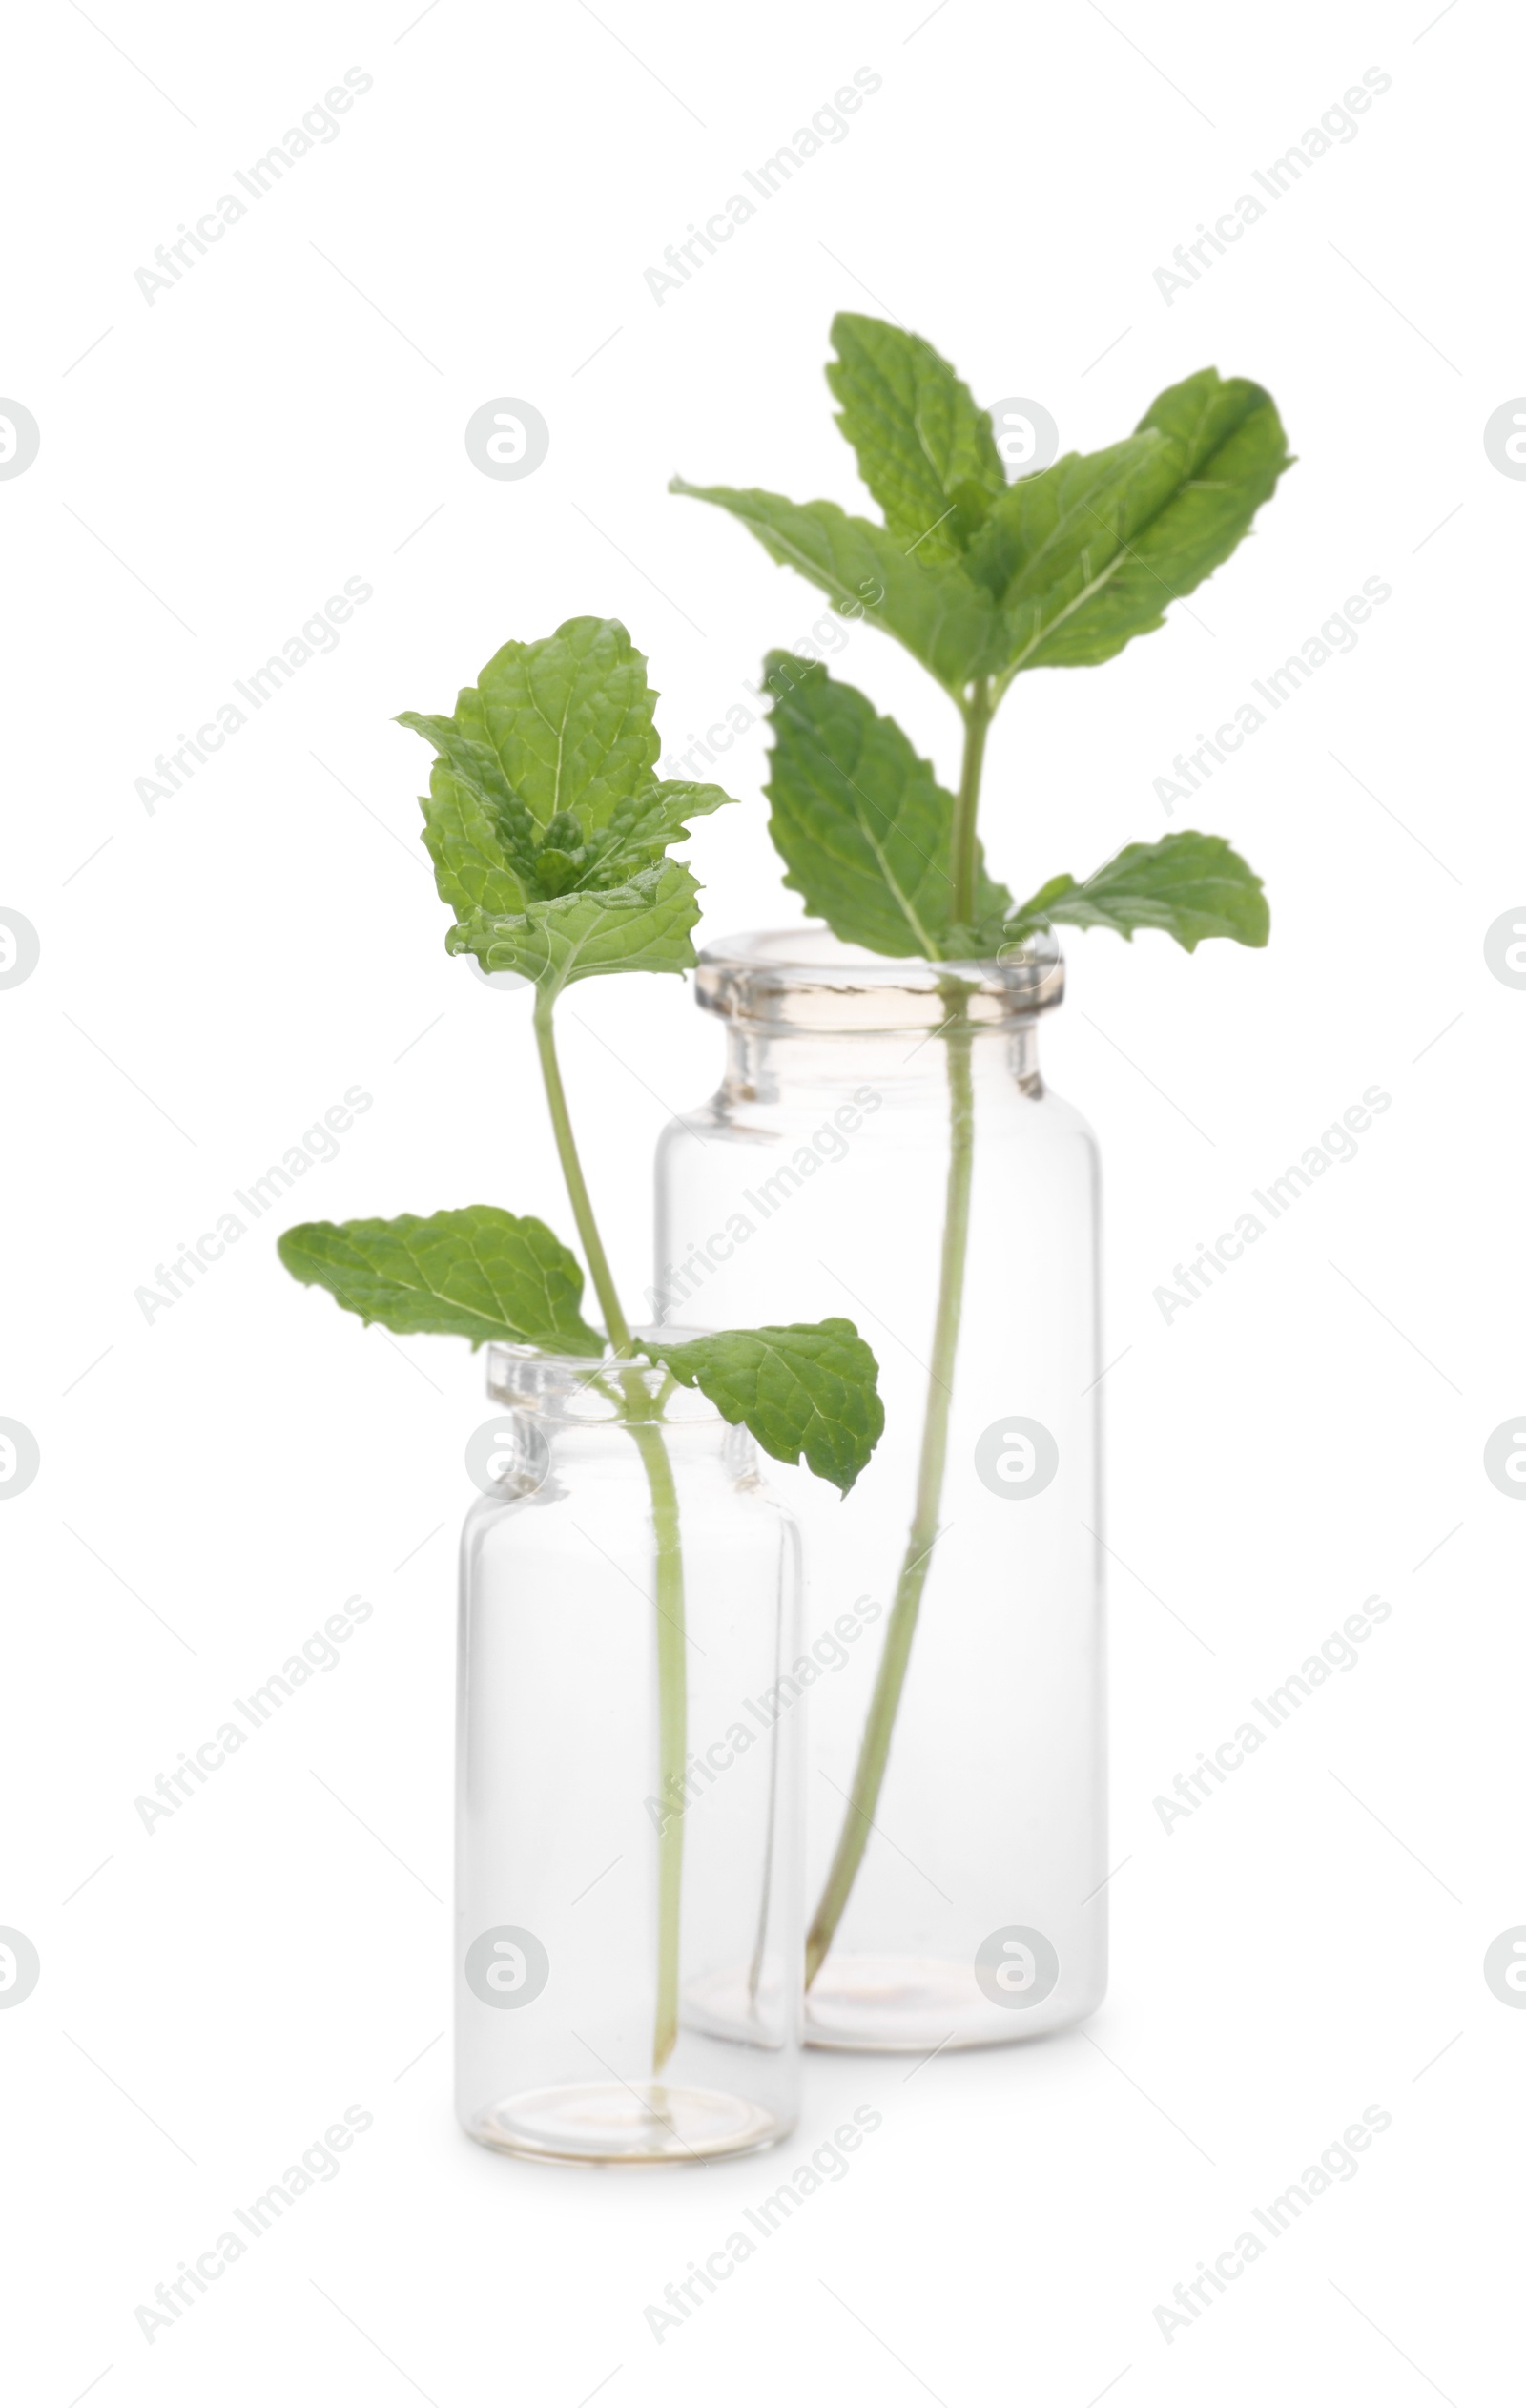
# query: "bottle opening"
807,978
594,1387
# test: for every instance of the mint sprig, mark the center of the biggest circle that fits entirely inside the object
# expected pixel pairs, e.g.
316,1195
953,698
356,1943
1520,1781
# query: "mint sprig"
551,843
983,581
551,839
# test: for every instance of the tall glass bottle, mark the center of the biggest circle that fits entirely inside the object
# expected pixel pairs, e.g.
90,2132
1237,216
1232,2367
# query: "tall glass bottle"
628,1880
882,1146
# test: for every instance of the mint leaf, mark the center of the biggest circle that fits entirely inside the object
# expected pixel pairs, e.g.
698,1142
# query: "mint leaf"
810,1389
1193,887
478,767
920,438
861,823
1045,535
1089,555
1060,568
542,799
643,923
479,1273
640,830
569,719
498,860
944,617
483,859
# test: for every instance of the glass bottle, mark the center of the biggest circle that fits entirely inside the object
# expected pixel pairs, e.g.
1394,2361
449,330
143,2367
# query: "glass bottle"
629,1878
882,1146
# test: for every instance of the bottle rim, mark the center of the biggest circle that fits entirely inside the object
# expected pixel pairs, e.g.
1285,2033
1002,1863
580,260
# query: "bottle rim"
581,1388
805,978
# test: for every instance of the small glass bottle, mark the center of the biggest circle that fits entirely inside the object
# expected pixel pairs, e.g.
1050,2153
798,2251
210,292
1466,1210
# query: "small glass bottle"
629,1876
882,1146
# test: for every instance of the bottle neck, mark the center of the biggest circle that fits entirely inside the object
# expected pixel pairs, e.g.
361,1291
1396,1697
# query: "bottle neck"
532,1448
608,1411
862,1070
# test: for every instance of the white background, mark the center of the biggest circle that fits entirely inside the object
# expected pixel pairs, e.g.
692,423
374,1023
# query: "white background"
213,975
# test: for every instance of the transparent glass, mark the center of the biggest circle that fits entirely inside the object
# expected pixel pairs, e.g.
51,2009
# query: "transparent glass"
629,1863
883,1147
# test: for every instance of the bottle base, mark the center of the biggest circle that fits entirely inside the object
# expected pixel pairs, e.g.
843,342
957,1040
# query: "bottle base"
615,2124
907,2006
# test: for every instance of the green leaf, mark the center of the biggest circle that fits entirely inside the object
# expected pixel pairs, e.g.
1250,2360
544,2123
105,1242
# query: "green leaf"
919,439
1089,555
479,1273
861,823
1046,531
483,861
1060,568
810,1389
542,797
640,830
944,617
642,925
569,719
1193,887
478,767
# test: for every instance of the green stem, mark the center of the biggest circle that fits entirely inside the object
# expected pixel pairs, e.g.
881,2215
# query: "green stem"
873,1749
598,1261
673,1733
644,1413
977,714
